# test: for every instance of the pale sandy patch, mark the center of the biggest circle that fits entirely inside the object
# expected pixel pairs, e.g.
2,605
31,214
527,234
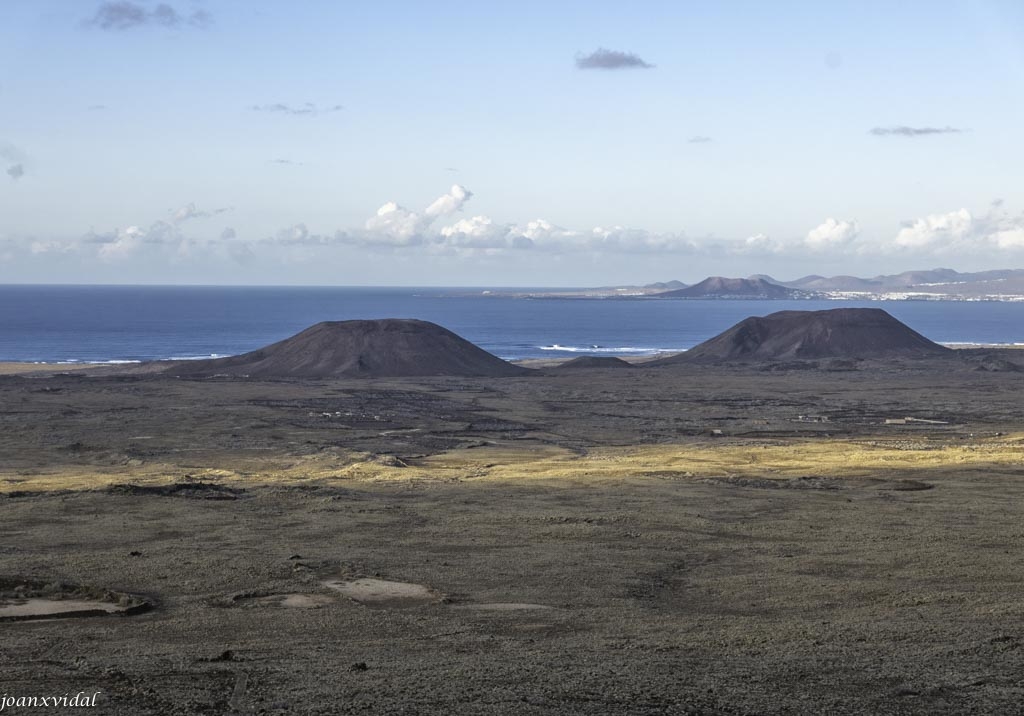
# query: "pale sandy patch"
384,593
41,607
503,607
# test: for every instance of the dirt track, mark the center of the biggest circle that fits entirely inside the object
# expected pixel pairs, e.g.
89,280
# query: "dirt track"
885,583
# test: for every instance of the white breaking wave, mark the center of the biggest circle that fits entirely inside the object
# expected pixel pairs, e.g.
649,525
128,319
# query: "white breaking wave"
126,361
636,350
112,361
977,344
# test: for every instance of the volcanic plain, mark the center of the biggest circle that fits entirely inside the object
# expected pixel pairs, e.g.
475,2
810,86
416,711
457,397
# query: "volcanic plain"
773,537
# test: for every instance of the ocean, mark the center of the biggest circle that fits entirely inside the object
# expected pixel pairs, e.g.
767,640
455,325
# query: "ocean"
136,323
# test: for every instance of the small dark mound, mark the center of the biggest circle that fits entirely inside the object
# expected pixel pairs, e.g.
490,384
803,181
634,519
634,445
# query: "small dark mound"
992,361
998,365
386,348
846,333
585,362
906,486
839,365
788,365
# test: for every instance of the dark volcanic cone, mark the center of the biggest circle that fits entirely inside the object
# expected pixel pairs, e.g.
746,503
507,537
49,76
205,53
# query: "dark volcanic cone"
386,348
837,333
584,362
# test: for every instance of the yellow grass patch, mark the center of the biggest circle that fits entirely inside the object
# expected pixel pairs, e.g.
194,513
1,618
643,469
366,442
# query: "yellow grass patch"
826,458
518,462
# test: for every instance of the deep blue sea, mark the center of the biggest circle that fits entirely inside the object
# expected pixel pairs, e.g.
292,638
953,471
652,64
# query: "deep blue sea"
132,323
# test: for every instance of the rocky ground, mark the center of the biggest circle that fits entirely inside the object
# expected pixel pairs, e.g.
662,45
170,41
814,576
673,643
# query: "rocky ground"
650,541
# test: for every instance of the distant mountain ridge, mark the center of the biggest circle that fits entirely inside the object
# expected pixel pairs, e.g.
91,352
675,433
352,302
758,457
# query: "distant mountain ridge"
930,284
940,280
937,282
667,285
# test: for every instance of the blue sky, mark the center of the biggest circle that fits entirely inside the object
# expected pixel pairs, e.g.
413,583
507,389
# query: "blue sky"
256,142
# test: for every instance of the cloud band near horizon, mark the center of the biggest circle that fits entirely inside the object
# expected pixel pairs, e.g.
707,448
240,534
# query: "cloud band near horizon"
438,230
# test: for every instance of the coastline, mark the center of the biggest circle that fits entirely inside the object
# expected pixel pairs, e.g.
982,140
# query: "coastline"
38,367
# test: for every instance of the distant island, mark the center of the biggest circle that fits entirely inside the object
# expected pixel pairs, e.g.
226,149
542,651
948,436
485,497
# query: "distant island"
939,284
720,287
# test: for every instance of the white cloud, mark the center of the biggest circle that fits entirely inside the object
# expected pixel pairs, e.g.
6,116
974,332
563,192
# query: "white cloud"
296,234
395,225
621,239
479,232
477,227
937,230
36,246
1009,238
961,232
189,211
542,235
449,203
163,238
542,231
121,244
760,244
832,233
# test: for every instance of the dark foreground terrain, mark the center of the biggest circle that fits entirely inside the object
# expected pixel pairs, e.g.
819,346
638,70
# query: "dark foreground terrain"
749,540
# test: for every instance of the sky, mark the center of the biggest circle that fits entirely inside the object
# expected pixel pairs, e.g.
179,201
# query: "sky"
506,144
